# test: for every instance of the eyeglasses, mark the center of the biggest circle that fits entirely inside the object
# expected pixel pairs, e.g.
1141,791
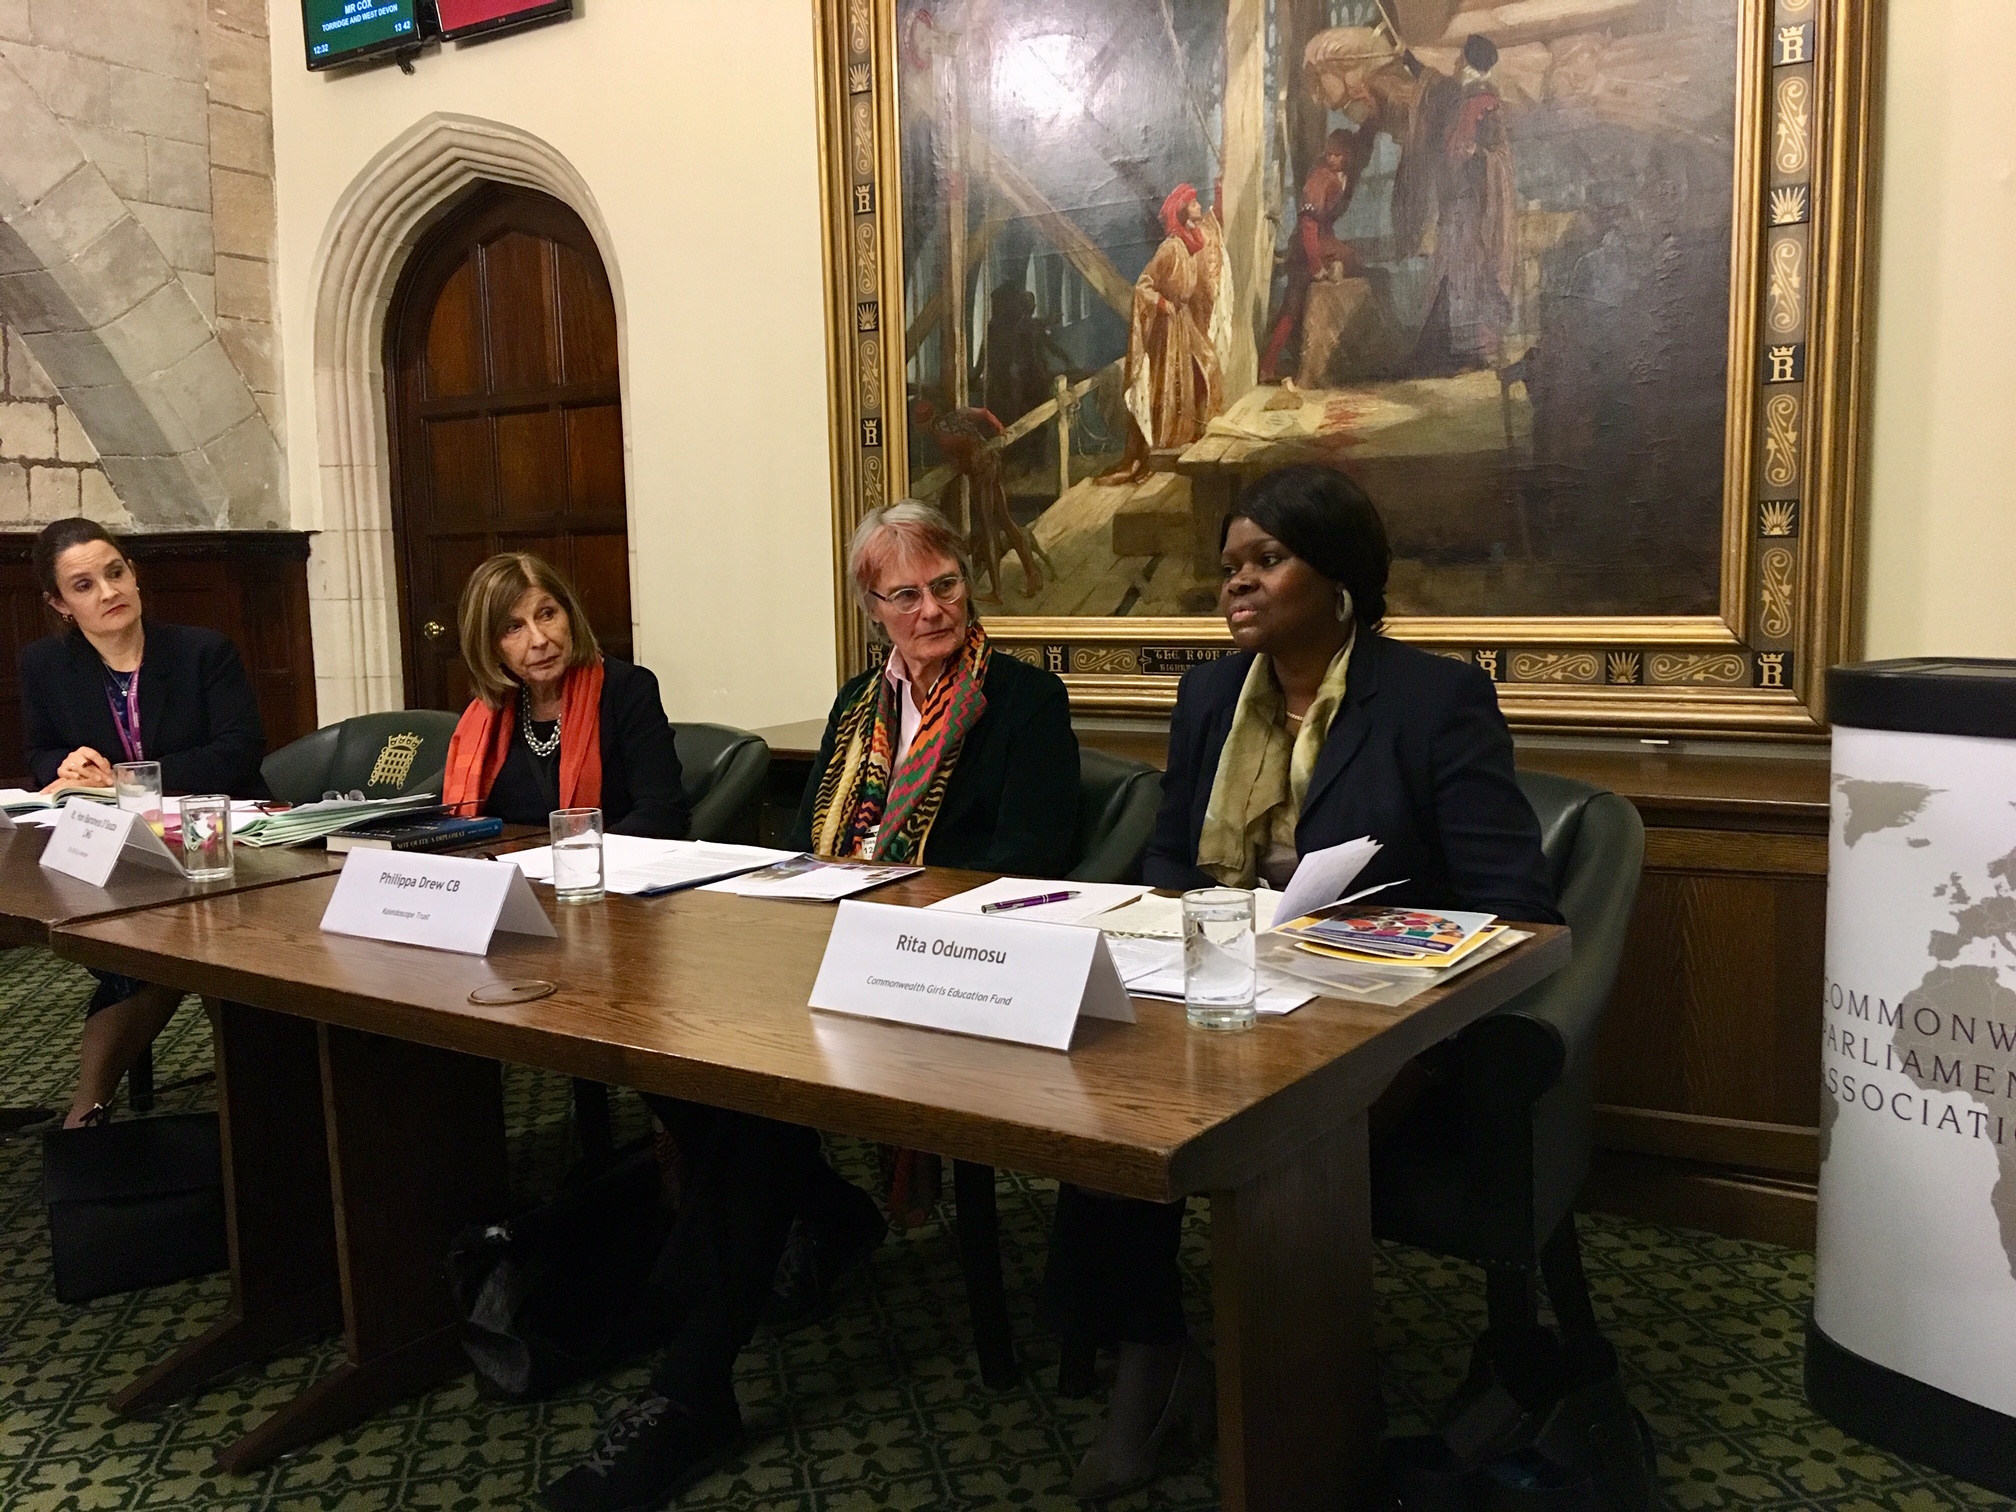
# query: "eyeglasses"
949,590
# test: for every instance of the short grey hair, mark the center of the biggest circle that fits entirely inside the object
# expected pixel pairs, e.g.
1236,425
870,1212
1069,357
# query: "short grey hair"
908,527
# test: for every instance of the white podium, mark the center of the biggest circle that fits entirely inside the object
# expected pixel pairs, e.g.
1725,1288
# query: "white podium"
1914,1305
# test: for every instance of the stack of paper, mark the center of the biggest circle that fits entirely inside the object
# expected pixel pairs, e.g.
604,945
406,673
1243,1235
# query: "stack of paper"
1411,937
1154,969
1388,985
634,865
311,821
808,879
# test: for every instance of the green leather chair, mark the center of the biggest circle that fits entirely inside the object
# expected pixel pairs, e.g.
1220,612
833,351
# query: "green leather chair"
1487,1166
723,769
382,755
1117,800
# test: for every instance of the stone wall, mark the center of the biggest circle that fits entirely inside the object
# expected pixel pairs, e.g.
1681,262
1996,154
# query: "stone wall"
137,239
48,466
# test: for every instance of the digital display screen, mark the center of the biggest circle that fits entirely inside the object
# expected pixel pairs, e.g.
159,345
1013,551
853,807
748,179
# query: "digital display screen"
341,31
469,18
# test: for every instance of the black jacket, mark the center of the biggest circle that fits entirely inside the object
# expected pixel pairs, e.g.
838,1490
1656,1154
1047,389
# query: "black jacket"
1011,804
198,714
642,789
1418,758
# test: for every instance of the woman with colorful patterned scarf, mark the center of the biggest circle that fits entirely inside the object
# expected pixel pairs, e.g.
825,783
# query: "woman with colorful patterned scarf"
947,754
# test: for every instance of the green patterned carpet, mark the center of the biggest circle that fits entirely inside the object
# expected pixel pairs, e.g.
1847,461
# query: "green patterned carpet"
880,1408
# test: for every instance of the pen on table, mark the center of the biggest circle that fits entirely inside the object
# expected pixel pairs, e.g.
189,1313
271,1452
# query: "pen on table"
1007,903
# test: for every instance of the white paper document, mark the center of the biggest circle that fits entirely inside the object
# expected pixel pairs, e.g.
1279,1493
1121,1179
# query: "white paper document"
1089,899
1155,917
442,902
808,879
632,864
1154,968
991,975
1323,876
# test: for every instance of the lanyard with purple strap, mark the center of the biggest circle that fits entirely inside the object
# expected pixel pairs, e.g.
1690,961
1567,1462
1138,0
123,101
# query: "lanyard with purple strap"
125,719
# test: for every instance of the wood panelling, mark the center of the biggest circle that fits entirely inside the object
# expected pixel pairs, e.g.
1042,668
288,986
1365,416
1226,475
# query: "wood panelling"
252,585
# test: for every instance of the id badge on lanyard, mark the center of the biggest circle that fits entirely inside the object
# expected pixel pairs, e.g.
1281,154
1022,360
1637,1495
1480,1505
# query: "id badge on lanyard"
127,721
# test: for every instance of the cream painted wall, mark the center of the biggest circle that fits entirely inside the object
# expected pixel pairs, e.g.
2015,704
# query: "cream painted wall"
1942,497
694,123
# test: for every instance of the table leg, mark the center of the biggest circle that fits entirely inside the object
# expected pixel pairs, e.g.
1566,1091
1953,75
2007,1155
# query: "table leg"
1291,1278
279,1222
416,1151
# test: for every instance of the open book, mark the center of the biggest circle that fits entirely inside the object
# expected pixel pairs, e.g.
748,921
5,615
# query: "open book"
23,801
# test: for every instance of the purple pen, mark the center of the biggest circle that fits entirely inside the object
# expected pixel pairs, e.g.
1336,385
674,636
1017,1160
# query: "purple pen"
1007,903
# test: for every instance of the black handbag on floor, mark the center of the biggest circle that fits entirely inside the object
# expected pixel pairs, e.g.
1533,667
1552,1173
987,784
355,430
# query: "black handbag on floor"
134,1204
562,1292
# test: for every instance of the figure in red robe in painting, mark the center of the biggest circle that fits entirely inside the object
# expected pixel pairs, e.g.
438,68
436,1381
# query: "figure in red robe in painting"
1179,336
962,436
1316,253
1458,141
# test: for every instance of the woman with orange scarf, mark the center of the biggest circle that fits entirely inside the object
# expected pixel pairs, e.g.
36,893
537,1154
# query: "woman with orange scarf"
554,723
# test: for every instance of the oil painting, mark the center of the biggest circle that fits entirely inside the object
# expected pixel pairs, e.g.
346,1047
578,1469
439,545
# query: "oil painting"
1542,275
1494,261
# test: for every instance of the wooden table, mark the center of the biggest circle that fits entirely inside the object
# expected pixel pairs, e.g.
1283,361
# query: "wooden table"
34,900
703,996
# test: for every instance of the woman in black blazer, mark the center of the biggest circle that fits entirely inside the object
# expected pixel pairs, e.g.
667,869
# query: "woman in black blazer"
951,752
1011,800
116,687
1318,730
555,723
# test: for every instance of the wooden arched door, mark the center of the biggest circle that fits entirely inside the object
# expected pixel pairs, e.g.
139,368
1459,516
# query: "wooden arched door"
506,422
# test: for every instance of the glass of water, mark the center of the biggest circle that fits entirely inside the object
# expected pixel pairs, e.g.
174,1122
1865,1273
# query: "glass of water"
206,838
1219,977
137,784
577,855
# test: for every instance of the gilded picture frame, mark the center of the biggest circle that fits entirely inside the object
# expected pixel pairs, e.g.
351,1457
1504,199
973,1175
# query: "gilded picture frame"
1784,551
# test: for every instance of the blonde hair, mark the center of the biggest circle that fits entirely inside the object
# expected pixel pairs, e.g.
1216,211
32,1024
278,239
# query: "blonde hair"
905,529
487,600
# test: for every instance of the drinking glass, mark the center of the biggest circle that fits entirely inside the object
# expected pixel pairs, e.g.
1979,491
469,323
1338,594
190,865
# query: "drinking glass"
137,785
206,838
1219,976
577,854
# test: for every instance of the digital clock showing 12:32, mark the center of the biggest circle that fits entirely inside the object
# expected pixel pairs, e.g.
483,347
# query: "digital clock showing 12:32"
342,29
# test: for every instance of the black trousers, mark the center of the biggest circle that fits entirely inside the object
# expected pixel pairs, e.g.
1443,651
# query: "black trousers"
1112,1273
746,1179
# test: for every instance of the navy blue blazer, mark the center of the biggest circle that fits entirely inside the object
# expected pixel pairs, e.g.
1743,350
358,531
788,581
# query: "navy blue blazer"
1418,758
198,714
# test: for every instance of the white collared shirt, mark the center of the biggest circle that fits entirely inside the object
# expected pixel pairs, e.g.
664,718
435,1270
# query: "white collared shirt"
909,716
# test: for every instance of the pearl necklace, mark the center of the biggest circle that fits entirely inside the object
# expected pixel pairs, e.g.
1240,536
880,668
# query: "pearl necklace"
533,743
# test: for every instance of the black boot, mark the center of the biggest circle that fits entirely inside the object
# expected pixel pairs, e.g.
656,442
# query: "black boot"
648,1453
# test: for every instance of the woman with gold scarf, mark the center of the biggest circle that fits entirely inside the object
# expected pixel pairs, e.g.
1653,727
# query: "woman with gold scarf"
947,754
1317,730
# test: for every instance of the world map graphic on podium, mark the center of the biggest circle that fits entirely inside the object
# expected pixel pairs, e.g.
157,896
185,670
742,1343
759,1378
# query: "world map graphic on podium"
1955,1031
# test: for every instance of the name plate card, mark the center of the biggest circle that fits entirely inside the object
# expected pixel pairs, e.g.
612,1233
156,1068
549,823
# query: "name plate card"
88,840
996,977
442,902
